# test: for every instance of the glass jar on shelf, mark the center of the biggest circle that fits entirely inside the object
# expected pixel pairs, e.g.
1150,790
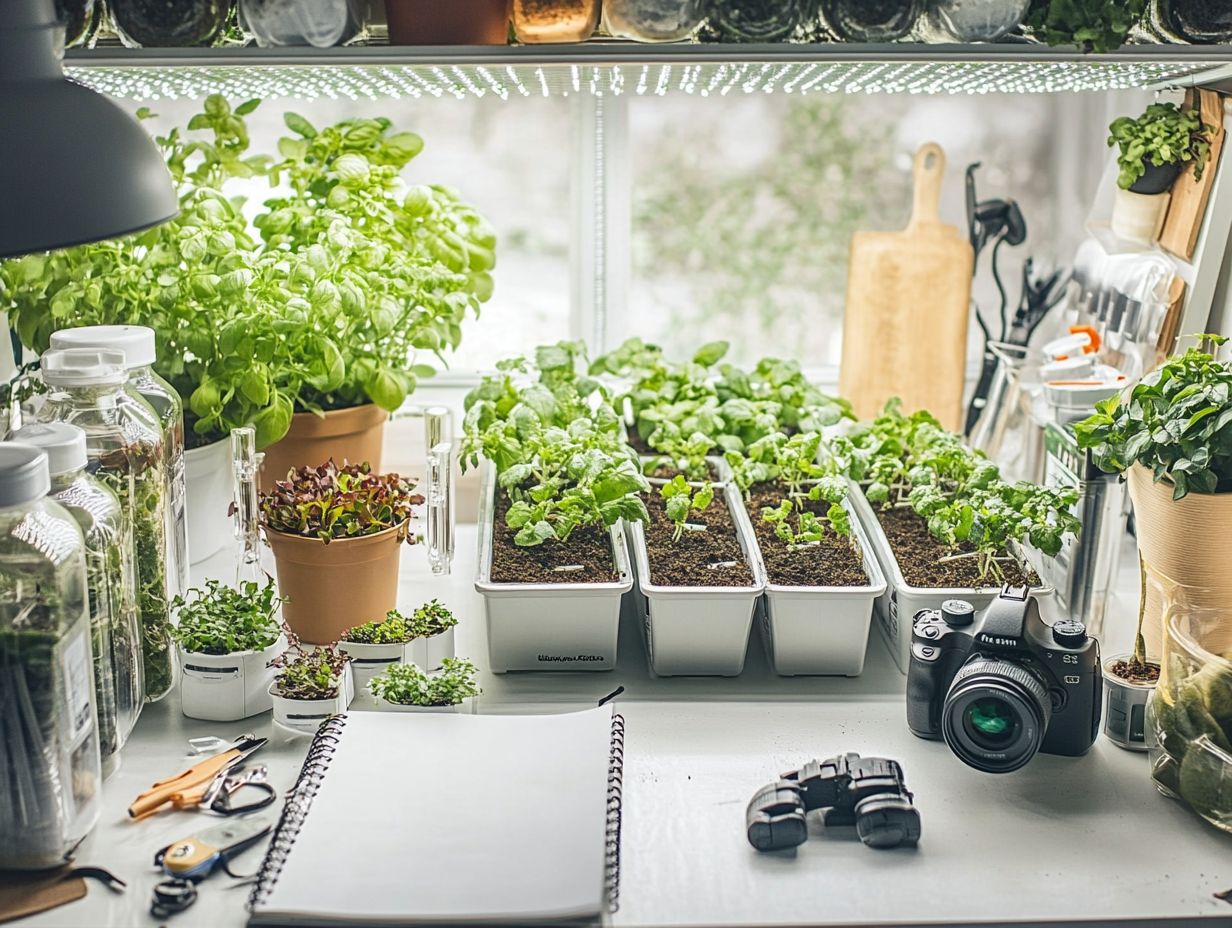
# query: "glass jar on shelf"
140,351
81,20
461,22
321,23
972,20
115,630
538,22
163,24
1201,22
758,20
653,20
87,387
50,778
871,21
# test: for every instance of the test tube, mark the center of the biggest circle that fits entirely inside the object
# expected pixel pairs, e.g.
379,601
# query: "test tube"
438,438
246,467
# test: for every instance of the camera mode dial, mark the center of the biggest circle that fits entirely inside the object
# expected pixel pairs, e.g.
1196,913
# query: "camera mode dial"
1069,633
957,613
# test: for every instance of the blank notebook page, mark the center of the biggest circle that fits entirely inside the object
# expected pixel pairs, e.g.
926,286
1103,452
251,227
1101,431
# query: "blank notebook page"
463,818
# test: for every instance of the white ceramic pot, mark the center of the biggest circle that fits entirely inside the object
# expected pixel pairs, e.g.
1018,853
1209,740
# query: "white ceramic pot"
368,660
465,707
436,649
1139,217
1125,703
304,716
227,687
207,473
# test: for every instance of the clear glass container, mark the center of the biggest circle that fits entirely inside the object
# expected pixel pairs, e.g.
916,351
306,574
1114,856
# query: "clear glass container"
1190,713
972,20
138,344
460,22
81,20
1202,22
115,630
87,387
758,20
321,23
170,23
872,21
653,20
49,763
537,22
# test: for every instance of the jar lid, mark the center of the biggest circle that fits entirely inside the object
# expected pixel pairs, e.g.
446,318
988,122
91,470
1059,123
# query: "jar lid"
23,474
84,367
136,341
64,444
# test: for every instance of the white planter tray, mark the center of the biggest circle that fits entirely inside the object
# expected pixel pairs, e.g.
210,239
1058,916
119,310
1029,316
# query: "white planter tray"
368,660
304,716
698,630
548,626
227,687
900,602
822,630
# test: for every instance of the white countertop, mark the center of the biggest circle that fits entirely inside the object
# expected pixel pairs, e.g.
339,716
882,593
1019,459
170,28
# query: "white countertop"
1065,840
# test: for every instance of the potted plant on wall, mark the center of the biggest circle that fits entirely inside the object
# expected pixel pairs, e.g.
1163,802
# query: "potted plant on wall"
407,688
336,533
311,685
1153,149
227,637
1171,435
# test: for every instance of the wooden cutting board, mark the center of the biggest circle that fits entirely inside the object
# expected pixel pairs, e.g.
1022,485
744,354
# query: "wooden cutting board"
908,304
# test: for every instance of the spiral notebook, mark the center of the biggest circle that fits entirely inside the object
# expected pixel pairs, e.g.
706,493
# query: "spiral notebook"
419,819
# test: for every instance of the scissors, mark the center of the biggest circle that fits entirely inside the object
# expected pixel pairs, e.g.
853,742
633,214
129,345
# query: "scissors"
188,789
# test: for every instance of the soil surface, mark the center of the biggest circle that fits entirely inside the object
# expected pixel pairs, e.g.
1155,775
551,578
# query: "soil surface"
918,553
834,561
589,546
686,562
666,472
1132,672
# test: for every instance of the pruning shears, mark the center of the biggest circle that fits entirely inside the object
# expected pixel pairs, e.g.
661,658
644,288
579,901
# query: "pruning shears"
188,789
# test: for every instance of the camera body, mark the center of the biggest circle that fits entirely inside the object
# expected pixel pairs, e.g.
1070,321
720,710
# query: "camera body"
1001,685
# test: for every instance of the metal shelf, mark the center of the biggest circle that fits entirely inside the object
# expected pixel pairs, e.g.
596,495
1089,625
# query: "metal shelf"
602,68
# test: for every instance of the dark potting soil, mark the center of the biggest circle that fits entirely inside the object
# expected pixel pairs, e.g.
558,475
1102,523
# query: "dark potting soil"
686,562
918,553
667,472
1133,672
834,561
589,547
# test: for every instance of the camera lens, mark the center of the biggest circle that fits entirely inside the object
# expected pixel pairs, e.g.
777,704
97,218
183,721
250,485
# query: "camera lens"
995,714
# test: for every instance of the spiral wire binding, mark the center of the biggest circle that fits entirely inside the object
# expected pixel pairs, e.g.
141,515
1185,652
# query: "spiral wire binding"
295,810
615,784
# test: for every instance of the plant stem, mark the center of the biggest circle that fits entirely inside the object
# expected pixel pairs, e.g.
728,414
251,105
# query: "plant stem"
1139,656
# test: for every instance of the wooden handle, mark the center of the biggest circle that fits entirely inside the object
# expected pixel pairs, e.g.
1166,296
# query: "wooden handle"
163,791
929,171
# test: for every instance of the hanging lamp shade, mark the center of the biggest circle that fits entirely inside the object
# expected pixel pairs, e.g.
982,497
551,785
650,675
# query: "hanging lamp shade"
74,167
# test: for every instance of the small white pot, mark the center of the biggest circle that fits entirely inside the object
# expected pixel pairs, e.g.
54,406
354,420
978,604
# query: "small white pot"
304,716
227,687
465,707
208,476
436,649
368,660
1125,722
1139,217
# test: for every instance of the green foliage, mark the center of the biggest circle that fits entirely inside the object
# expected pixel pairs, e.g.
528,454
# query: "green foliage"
1176,422
1163,134
224,620
407,685
329,502
681,498
351,275
430,619
1092,25
308,673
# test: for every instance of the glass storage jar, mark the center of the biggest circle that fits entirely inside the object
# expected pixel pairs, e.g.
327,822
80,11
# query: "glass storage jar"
321,23
87,387
758,20
81,20
462,22
972,20
653,20
871,21
49,764
170,23
541,21
1190,713
137,343
115,631
1202,22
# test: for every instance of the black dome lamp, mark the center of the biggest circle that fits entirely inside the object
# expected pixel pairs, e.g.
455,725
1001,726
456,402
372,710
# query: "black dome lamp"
74,167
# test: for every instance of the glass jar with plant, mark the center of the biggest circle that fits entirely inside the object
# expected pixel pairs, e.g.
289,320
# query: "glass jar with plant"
87,388
653,20
322,24
311,685
157,24
871,21
111,582
757,20
537,22
972,20
1091,25
336,533
50,781
407,688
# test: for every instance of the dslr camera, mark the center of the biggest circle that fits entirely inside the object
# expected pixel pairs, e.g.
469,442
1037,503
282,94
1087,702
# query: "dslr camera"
1004,684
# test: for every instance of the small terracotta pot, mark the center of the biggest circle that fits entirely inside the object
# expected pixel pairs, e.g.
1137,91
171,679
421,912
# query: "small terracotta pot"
460,22
352,435
333,587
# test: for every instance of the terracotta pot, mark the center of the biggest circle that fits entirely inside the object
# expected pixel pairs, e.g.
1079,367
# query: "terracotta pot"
1184,546
353,435
460,22
333,587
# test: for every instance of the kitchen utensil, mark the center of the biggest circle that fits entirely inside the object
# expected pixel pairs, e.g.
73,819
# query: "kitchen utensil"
187,789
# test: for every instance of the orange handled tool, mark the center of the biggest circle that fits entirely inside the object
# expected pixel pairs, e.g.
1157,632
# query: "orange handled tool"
186,790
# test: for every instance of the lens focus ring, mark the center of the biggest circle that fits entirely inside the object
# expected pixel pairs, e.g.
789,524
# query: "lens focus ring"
1006,670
